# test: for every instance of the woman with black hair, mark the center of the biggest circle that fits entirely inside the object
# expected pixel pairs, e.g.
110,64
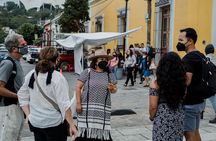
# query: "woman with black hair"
165,100
130,62
93,89
44,98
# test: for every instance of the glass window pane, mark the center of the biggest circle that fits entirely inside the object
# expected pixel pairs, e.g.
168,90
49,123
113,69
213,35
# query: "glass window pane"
165,24
164,40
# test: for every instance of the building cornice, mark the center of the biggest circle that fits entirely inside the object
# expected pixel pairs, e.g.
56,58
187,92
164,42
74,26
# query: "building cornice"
160,3
94,2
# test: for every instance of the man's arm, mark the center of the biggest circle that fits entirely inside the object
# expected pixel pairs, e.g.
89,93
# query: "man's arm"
189,76
5,92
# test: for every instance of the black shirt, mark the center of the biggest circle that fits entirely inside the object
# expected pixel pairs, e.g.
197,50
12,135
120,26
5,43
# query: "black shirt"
193,64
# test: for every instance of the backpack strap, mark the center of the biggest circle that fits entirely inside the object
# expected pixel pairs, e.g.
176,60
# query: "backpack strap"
55,105
10,84
89,71
14,70
202,57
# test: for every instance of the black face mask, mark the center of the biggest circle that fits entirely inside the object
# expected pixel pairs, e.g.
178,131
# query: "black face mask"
103,65
180,46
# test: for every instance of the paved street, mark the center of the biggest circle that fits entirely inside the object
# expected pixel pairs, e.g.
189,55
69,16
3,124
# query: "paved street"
135,127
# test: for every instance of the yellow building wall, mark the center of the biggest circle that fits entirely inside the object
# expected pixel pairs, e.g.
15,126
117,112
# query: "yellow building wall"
108,9
196,14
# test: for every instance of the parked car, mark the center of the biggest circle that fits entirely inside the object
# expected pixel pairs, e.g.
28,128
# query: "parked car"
24,56
66,60
3,53
33,55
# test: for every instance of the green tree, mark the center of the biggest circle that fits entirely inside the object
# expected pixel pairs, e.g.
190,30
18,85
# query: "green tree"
2,35
17,21
38,42
26,30
13,16
74,16
11,6
29,30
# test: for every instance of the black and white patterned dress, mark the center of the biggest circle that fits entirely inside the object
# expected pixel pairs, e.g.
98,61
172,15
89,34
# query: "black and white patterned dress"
94,121
167,124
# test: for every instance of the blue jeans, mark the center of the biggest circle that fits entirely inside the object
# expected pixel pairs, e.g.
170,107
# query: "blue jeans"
212,99
192,116
114,70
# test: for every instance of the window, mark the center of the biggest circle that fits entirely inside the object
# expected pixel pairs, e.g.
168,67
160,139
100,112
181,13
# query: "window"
121,26
99,24
165,29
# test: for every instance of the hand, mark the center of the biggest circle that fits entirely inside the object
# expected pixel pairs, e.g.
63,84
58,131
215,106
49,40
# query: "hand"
73,131
78,108
111,87
151,118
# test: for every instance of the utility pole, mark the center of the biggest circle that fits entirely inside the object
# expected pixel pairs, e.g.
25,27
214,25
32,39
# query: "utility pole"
125,27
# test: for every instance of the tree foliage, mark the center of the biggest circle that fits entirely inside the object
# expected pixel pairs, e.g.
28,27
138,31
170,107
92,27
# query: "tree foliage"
2,35
13,16
28,31
23,21
74,16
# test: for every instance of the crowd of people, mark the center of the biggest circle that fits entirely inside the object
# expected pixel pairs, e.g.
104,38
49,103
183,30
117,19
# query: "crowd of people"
175,95
139,59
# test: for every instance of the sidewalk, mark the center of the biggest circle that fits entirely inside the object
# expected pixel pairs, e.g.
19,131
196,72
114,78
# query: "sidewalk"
136,127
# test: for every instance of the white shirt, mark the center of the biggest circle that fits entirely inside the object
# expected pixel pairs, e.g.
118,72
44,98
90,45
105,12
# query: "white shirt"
42,113
130,61
212,58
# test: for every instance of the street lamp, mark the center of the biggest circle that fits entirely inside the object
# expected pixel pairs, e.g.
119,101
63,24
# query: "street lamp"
125,27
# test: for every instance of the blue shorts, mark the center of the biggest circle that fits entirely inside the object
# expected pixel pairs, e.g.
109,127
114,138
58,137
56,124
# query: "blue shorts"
192,116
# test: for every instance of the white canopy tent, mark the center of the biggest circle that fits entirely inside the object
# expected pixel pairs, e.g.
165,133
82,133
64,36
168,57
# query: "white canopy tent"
77,41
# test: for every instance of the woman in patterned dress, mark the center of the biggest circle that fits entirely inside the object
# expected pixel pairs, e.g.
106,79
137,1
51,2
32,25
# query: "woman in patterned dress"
165,100
94,102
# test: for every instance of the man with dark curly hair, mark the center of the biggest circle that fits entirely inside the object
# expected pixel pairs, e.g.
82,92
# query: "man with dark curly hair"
193,102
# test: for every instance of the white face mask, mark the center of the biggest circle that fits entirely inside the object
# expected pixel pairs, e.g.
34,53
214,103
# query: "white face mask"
144,56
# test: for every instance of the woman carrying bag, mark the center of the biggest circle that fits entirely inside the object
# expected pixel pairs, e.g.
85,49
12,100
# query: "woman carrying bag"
44,98
94,102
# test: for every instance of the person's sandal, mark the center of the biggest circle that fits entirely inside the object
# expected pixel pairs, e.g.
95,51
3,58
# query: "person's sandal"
146,85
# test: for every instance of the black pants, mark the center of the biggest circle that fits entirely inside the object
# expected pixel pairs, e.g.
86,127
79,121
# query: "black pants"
135,72
129,75
57,133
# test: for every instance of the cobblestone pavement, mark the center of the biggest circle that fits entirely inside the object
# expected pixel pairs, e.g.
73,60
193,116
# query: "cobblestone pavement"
135,127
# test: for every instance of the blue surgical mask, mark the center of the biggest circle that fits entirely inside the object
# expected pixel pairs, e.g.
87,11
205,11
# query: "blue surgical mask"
23,50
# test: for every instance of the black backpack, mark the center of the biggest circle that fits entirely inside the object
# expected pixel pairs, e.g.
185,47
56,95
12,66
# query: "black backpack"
10,84
208,81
